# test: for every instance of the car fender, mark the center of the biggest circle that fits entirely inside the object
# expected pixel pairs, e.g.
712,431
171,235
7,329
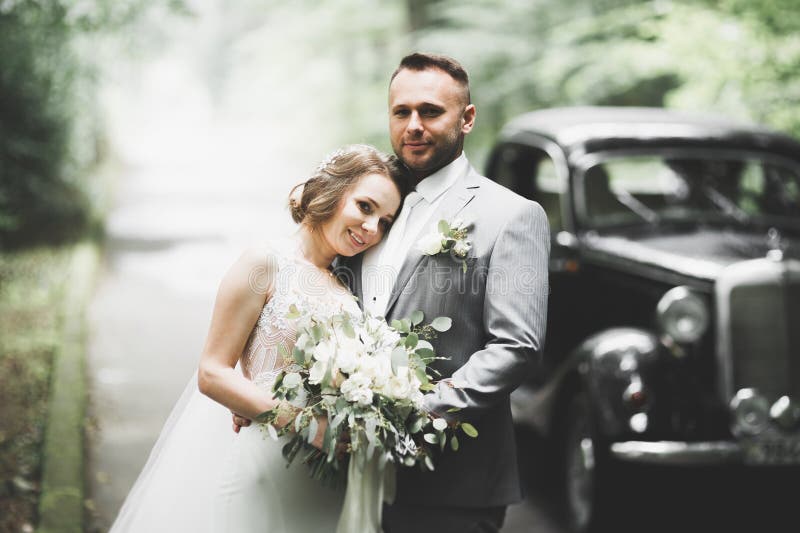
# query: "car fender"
606,364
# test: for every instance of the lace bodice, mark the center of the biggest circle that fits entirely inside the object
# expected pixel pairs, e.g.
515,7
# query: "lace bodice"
293,281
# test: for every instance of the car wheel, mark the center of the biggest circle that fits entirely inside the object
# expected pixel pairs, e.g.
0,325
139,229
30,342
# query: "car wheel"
584,469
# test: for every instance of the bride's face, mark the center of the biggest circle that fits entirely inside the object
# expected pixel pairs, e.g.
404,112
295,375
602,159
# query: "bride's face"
365,213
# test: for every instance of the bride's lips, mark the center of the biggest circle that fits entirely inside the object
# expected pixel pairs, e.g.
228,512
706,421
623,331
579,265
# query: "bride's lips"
357,241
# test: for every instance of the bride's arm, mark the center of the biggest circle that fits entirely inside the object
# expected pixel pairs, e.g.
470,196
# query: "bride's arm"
241,296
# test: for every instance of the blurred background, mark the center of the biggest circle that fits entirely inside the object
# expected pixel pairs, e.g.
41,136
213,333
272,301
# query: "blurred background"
167,133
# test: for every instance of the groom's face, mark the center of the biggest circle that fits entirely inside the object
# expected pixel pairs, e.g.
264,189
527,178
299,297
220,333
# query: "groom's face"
429,115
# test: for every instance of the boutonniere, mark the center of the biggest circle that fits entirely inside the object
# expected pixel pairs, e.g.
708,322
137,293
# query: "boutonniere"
449,237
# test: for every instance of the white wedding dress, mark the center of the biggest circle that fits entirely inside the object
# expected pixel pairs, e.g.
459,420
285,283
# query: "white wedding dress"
201,477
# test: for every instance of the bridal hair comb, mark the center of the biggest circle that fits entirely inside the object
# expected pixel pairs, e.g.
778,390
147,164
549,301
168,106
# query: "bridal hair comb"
329,159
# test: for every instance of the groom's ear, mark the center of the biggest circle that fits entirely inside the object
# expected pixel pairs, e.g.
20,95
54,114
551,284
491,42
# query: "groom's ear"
468,118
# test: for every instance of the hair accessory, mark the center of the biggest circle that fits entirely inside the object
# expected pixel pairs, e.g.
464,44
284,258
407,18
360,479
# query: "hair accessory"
329,159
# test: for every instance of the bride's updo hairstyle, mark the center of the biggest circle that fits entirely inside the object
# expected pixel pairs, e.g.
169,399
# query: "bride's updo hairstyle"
315,201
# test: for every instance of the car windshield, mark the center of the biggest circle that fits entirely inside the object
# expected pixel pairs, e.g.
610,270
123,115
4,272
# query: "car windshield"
670,187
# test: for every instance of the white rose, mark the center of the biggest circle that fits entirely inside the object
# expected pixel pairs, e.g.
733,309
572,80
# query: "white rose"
324,351
346,361
291,380
356,389
430,244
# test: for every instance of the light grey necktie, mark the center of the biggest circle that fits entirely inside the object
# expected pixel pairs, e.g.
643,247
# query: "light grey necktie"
390,254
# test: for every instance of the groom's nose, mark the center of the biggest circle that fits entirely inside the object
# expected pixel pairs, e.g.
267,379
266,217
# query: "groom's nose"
414,122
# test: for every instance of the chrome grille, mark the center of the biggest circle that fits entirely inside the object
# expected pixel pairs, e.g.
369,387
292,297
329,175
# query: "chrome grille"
758,325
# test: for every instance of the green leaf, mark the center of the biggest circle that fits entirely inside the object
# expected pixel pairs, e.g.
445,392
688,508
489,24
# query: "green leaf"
453,410
338,419
417,317
444,227
292,380
429,463
439,424
412,340
464,267
454,443
442,323
469,429
399,358
348,329
429,438
396,324
405,325
272,432
425,344
425,352
313,426
417,425
283,350
298,355
294,312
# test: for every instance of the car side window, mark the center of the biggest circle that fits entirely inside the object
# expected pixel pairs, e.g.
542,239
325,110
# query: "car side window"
532,173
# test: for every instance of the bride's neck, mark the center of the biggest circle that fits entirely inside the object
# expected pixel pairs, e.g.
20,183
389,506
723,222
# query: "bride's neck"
314,248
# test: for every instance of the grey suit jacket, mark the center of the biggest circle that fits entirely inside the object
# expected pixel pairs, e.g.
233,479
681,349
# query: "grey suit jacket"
498,307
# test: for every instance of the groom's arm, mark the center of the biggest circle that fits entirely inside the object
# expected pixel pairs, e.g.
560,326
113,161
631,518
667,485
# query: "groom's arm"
514,318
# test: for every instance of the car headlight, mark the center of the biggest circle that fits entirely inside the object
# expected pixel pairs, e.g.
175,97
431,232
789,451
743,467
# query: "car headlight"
682,315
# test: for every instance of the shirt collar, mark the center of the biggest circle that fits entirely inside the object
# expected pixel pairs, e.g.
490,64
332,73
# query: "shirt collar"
440,181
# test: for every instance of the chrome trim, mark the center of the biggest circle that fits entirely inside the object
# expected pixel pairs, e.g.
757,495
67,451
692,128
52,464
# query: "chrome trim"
678,453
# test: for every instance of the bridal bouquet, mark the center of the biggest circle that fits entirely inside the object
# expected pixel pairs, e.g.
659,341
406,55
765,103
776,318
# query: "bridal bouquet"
367,378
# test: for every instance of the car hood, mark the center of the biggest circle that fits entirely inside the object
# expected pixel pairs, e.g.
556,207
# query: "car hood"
699,253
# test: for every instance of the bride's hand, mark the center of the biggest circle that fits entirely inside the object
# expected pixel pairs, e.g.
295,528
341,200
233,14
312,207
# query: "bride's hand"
240,422
322,427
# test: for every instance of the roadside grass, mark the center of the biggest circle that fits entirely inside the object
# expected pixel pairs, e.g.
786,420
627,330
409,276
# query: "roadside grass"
33,284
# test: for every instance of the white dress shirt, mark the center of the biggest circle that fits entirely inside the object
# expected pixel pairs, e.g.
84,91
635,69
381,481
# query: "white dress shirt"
382,262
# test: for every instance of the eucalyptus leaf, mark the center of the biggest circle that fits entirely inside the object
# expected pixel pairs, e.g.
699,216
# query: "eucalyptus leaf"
416,317
424,344
313,426
399,358
338,419
298,355
444,227
442,323
412,340
427,353
430,438
454,443
439,424
292,380
396,324
469,429
417,425
272,432
429,463
348,329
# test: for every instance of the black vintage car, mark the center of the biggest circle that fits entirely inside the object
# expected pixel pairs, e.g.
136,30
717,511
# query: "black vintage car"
674,318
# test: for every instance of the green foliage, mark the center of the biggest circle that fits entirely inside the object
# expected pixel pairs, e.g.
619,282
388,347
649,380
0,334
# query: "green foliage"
50,133
31,288
737,57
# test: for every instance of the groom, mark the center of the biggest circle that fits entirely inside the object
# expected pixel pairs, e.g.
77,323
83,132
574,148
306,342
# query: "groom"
496,297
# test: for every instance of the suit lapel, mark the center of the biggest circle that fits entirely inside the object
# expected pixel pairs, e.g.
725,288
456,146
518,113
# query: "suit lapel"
456,199
348,270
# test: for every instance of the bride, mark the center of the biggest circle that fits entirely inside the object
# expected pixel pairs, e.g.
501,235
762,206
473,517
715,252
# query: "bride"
203,477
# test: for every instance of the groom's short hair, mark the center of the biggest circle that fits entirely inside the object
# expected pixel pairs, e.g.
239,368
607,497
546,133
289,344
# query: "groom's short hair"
422,61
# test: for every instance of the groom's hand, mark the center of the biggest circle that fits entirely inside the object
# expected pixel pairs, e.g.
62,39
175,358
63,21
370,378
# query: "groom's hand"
240,422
